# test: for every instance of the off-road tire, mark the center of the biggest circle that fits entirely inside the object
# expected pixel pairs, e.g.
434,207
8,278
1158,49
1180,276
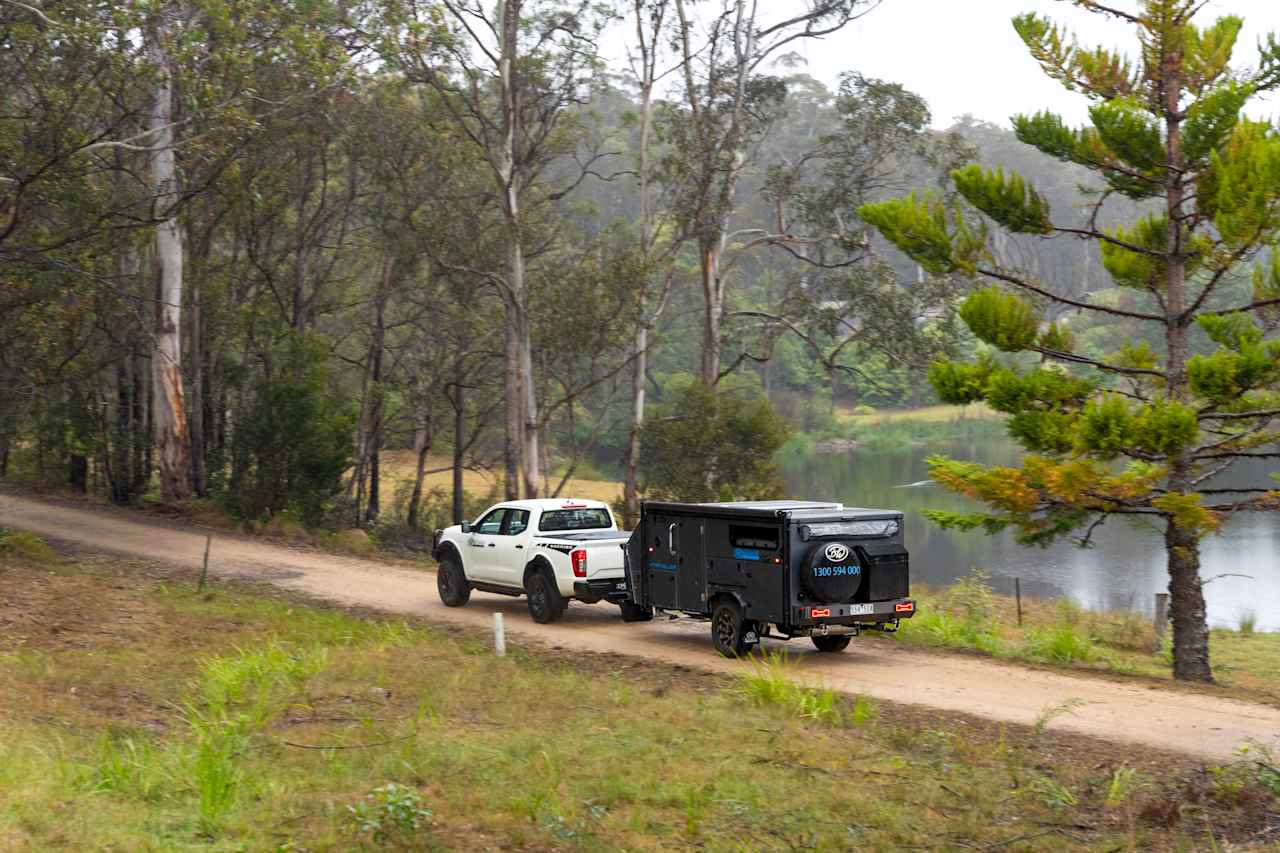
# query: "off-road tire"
451,582
728,629
831,642
632,612
546,604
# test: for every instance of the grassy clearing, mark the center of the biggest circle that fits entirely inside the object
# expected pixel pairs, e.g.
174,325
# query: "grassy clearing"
970,616
399,466
164,719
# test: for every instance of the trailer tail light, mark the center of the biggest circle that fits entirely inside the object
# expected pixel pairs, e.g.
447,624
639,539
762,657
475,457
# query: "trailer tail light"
820,611
905,607
579,560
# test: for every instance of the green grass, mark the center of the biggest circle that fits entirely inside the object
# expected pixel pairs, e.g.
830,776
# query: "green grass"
969,616
180,720
18,544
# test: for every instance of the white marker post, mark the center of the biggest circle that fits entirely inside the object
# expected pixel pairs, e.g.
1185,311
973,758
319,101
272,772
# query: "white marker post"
499,636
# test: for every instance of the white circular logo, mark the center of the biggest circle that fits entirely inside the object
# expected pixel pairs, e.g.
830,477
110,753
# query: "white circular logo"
836,552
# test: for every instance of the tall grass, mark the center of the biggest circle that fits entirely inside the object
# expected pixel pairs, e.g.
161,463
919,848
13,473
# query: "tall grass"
22,545
769,682
1248,623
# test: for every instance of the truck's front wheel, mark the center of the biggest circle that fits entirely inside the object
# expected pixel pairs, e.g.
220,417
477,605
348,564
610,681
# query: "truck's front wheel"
546,604
831,642
451,582
729,630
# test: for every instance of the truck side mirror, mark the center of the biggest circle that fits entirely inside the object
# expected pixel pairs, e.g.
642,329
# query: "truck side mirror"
466,527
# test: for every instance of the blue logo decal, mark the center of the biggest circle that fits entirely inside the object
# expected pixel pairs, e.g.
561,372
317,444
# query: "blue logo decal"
746,554
662,567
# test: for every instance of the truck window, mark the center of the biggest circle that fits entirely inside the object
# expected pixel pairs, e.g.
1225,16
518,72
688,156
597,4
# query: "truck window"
589,518
491,524
749,536
517,522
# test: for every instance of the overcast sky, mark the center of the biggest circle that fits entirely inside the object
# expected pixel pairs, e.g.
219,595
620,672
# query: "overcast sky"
964,57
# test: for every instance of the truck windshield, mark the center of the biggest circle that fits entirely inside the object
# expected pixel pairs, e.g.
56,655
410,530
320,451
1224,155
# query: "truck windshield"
592,518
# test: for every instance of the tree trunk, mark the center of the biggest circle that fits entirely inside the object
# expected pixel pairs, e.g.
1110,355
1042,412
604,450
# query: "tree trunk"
513,439
1182,546
169,415
197,408
713,306
376,406
1186,606
459,438
531,428
78,473
422,446
631,486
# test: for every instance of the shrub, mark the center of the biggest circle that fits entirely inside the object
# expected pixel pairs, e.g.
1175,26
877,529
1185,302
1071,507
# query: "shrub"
971,598
389,813
294,444
1126,629
1248,622
707,445
26,546
1059,644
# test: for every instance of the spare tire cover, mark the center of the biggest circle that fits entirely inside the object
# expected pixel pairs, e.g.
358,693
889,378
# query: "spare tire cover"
833,572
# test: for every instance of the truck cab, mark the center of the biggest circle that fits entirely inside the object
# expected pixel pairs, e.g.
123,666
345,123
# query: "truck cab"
550,550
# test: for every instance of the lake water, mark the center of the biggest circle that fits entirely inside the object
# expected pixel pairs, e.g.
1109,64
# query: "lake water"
1124,568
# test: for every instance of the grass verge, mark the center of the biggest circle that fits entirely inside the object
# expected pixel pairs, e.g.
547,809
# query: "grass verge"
139,714
970,616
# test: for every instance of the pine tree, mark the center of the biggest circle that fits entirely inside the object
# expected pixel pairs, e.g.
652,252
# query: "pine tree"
1141,431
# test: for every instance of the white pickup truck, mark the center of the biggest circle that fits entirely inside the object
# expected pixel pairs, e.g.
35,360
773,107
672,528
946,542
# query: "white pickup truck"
549,550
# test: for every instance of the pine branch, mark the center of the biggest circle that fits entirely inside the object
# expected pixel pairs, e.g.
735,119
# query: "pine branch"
1073,358
1025,285
1239,416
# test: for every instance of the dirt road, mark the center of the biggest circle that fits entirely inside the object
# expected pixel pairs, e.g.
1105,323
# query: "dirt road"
1200,725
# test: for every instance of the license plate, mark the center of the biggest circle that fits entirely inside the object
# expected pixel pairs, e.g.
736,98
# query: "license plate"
861,609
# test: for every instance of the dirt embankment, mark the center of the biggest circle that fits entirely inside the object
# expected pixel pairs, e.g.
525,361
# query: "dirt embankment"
1198,724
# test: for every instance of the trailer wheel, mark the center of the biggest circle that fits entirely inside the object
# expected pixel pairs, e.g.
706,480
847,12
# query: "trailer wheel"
832,642
451,582
728,629
546,604
632,612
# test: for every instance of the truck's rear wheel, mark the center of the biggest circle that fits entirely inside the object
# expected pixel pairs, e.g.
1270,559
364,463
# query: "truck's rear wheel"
831,642
728,630
451,582
546,604
632,612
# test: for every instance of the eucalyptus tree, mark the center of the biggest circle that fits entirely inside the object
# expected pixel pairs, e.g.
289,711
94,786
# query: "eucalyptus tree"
510,77
726,103
1143,431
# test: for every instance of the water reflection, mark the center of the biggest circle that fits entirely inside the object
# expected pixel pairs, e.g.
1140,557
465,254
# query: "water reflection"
1124,568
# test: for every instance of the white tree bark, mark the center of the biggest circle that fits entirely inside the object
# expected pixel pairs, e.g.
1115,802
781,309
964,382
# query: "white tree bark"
169,415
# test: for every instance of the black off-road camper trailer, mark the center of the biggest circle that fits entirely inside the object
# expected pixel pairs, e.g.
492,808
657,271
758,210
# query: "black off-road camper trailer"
770,568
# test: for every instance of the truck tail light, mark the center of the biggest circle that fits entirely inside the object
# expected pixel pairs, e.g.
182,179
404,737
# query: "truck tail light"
905,607
579,560
819,612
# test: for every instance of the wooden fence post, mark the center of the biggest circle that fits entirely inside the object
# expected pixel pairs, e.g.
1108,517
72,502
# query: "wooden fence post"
1017,593
1161,618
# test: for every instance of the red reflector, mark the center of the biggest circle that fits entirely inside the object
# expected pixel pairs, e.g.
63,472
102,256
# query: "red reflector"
820,611
905,608
579,560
